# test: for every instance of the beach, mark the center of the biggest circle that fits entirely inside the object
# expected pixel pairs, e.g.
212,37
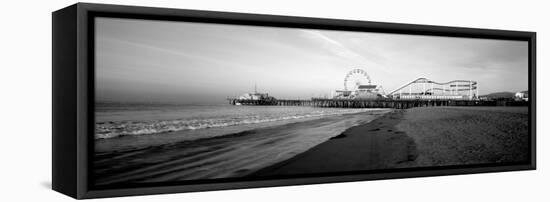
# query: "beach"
230,146
328,143
418,137
470,135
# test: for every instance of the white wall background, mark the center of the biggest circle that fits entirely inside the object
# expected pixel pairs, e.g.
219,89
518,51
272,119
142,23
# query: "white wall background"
25,102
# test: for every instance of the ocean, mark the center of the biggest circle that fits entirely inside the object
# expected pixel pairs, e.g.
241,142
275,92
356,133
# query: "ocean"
136,143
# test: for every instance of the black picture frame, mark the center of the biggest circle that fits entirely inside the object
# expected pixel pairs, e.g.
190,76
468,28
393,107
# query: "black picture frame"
73,96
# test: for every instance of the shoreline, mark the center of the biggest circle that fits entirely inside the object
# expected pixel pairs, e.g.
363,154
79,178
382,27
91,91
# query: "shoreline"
130,142
400,138
235,155
353,150
417,137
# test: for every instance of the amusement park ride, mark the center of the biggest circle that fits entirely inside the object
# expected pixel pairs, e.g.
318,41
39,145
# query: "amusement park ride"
358,85
426,89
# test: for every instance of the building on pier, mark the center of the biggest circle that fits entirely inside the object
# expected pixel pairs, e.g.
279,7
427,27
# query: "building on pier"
254,98
522,96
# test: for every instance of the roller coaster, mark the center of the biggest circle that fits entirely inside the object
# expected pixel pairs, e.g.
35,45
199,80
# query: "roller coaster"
426,89
358,85
359,91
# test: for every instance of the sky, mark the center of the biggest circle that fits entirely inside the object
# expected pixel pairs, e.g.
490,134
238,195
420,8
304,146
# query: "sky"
193,63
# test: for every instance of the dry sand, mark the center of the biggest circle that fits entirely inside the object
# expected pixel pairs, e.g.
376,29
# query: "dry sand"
419,137
467,135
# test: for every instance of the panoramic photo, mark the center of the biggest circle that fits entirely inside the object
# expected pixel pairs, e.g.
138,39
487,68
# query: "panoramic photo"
185,101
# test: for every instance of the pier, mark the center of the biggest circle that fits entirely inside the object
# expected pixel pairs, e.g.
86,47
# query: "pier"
360,92
382,103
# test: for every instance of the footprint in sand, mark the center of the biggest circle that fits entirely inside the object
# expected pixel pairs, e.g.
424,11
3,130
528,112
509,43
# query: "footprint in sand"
339,136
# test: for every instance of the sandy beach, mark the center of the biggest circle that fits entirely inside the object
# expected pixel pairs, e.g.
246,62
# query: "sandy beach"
418,137
237,154
379,139
467,135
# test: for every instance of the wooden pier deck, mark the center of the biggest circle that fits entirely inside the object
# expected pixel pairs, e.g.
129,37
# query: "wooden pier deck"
382,103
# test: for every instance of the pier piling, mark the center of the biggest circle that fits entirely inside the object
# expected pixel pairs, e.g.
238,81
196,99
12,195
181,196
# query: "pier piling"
382,103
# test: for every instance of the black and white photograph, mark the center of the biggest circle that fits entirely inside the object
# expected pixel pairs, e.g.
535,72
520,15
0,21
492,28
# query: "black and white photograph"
185,101
275,101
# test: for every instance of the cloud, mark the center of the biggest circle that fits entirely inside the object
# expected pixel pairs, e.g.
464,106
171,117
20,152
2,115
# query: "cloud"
341,50
497,55
192,56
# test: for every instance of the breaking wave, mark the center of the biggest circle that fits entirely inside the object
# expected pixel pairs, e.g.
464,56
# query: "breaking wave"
112,129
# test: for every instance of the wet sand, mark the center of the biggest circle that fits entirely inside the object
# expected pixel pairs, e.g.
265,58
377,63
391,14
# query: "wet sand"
233,155
418,137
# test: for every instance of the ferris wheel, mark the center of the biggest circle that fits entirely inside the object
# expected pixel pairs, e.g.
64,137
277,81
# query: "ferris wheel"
355,78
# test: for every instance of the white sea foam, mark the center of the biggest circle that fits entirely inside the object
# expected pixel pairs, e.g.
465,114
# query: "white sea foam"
130,121
234,156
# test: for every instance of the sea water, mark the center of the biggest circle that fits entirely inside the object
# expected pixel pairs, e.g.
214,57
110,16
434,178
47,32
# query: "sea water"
116,120
157,143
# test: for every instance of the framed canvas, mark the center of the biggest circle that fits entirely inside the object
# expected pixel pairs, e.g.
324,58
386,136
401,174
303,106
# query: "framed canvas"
156,100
